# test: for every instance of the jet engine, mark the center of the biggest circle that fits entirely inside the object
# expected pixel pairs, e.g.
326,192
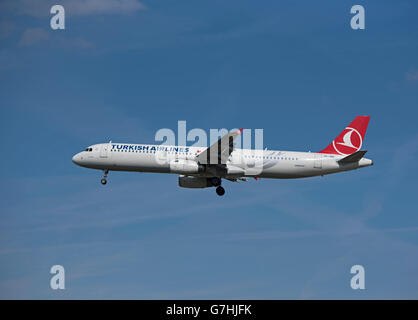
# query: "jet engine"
194,182
234,170
185,166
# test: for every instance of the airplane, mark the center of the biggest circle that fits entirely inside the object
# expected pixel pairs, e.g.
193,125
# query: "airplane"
206,167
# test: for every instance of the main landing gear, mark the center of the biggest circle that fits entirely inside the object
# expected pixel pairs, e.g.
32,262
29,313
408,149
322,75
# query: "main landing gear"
216,182
220,191
104,181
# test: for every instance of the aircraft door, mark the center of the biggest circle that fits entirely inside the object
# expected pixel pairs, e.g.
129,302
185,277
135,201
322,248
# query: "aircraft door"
104,151
318,161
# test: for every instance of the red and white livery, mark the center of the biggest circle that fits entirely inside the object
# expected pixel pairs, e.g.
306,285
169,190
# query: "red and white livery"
207,167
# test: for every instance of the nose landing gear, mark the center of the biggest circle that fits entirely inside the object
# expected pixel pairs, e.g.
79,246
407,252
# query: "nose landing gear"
104,180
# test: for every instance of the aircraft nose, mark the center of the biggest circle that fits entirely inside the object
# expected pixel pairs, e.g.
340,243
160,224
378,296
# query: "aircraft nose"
76,159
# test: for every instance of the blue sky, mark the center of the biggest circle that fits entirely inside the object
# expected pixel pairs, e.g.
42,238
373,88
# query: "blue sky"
122,70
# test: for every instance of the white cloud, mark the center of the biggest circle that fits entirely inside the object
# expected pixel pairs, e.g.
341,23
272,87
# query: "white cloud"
87,7
412,75
42,8
33,36
75,43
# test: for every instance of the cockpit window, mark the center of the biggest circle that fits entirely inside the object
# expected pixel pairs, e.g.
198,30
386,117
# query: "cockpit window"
89,149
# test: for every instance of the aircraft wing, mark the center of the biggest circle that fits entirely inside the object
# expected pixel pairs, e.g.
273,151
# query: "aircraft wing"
219,152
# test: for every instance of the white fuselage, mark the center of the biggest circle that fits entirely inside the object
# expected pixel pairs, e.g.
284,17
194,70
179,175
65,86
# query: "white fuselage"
242,162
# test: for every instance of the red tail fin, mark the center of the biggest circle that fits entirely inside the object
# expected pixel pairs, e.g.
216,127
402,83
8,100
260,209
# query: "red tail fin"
351,139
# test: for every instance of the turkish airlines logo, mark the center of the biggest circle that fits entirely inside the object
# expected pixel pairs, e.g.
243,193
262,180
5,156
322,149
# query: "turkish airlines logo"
348,142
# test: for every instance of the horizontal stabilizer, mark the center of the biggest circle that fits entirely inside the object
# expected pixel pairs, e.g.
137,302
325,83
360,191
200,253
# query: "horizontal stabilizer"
354,157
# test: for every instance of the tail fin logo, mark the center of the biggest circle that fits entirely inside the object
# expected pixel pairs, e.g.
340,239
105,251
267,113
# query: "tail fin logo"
351,139
348,142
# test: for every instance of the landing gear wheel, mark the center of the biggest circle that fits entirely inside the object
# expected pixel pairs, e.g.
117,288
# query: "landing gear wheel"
216,182
104,181
220,191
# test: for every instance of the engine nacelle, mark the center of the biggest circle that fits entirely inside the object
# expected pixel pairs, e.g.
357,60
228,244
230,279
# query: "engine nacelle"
185,166
234,171
194,182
